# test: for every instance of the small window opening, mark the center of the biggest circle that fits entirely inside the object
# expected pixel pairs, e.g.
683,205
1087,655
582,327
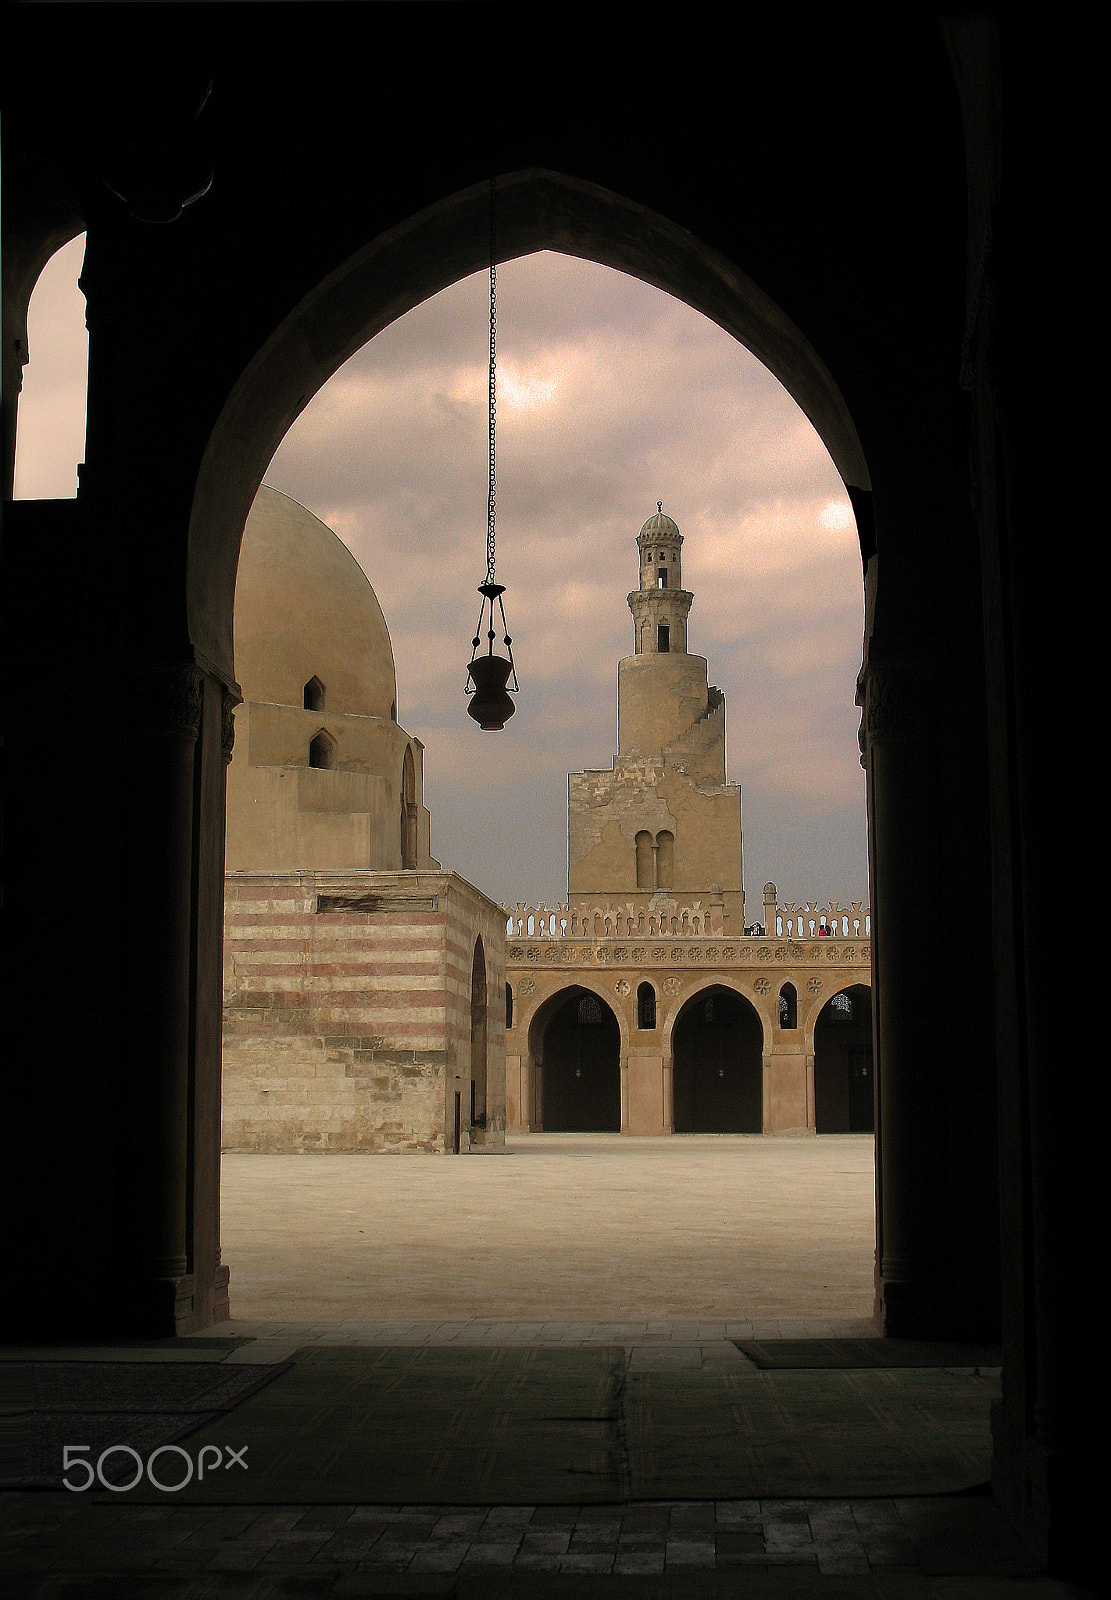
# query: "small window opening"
841,1007
322,752
661,578
509,1005
663,638
788,1006
314,695
646,1006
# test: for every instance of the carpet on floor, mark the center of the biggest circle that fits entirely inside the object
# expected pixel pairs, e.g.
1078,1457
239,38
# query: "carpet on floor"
101,1404
793,1354
569,1425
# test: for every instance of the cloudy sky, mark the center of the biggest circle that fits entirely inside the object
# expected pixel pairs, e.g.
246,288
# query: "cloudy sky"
611,396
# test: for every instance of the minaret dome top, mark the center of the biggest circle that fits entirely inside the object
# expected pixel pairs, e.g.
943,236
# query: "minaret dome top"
659,527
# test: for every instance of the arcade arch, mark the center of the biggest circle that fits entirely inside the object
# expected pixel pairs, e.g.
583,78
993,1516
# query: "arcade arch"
844,1080
576,1049
718,1050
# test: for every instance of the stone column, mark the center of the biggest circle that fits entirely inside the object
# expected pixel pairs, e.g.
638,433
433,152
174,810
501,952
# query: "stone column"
536,1121
155,1110
669,1094
898,739
624,1094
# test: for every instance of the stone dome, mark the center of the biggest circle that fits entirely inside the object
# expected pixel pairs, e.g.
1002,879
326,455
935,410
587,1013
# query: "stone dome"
304,609
659,526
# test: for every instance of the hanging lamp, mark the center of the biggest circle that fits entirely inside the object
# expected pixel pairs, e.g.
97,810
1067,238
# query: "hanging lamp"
489,675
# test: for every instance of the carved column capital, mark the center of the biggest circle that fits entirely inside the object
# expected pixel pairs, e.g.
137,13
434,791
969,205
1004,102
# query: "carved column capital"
896,701
168,700
228,702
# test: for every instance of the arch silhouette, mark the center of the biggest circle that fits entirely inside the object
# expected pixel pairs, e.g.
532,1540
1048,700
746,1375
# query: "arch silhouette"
389,275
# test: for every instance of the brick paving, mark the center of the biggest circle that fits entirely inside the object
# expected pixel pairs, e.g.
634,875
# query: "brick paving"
330,1548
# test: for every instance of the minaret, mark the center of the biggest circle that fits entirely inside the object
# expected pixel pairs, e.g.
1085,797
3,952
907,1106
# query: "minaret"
661,690
661,604
663,818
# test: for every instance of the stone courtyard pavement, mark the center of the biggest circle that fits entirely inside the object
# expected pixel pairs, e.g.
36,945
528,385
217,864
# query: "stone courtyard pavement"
623,1273
699,1232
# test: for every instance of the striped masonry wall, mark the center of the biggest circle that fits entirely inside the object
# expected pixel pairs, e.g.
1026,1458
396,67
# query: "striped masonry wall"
347,1010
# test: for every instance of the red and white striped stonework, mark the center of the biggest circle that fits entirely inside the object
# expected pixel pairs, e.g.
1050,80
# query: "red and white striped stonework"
347,1010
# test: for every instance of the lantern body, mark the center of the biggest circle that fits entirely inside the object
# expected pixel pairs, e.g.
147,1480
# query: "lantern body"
491,705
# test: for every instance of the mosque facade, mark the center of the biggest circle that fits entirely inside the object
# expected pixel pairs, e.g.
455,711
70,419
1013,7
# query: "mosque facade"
364,985
645,1004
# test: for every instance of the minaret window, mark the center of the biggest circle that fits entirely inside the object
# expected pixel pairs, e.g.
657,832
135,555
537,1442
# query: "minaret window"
663,638
661,578
665,860
646,866
322,752
314,695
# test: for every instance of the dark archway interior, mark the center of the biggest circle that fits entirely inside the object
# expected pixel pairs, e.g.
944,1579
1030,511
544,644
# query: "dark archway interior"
843,1077
718,1053
582,1067
478,1037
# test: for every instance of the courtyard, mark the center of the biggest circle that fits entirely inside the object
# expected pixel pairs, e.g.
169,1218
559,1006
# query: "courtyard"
563,1234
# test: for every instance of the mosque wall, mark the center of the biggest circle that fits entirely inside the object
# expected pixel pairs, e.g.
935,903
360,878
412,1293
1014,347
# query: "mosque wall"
347,1011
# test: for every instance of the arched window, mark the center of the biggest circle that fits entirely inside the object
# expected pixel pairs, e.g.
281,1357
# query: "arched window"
408,812
788,1006
322,751
646,870
646,1006
509,1005
314,694
665,860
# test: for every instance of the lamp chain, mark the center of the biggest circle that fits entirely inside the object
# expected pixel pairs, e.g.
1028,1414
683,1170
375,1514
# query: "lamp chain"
491,499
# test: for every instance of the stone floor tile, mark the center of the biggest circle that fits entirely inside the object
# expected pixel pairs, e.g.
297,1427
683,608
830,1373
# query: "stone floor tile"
491,1555
633,1563
587,1561
730,1544
691,1553
545,1541
446,1555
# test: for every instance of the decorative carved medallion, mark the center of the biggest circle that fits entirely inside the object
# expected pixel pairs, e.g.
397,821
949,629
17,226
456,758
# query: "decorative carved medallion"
762,986
621,954
814,985
621,986
639,953
526,986
673,985
713,953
